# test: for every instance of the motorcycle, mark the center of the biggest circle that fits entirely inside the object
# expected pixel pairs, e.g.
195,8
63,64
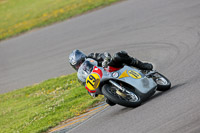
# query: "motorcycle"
126,86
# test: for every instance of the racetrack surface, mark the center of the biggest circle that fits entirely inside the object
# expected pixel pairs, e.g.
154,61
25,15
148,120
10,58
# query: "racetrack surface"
166,33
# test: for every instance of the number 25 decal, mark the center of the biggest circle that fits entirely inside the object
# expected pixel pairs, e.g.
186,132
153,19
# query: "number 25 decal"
93,81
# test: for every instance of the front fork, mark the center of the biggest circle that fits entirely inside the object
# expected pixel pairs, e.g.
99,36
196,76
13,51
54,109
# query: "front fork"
121,90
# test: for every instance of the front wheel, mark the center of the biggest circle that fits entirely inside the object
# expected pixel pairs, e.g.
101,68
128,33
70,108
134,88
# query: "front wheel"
121,98
162,82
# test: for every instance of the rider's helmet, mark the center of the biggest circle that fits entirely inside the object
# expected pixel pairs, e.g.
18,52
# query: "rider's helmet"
76,58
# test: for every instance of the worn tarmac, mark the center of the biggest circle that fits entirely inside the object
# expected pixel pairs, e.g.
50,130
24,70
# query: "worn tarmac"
165,32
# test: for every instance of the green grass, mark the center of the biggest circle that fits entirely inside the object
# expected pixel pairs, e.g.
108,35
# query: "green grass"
18,16
42,106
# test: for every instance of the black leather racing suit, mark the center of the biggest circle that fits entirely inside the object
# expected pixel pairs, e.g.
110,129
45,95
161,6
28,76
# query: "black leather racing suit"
119,59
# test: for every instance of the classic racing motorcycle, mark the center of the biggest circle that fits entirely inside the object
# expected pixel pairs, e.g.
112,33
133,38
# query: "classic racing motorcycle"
126,86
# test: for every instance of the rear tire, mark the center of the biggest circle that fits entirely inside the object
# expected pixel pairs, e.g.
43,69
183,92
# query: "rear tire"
109,91
163,84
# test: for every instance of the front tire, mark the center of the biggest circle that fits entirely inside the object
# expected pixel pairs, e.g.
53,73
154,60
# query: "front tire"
110,92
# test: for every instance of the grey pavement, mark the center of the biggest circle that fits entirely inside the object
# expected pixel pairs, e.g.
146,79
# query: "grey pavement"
165,32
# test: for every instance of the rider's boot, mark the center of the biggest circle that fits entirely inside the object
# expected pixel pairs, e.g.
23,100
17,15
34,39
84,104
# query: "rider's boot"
141,65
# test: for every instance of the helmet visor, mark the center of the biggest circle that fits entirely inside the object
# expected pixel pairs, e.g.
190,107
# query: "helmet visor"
76,58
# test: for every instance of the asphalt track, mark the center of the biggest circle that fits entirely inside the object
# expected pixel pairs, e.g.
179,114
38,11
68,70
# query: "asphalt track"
165,32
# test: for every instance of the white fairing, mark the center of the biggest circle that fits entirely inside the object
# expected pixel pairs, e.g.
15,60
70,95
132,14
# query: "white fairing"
143,84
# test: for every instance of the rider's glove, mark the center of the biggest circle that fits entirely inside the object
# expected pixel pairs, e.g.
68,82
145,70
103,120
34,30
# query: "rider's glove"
106,62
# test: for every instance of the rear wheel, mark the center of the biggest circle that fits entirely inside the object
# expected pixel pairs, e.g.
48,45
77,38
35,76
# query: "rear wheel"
162,82
121,98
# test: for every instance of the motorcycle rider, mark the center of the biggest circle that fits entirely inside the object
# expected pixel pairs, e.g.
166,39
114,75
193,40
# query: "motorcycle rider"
76,58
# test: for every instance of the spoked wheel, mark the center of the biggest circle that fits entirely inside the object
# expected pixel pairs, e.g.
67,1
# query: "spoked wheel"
162,82
130,100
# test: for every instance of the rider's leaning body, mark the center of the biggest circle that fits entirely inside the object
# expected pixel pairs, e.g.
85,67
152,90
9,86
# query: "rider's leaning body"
76,58
119,58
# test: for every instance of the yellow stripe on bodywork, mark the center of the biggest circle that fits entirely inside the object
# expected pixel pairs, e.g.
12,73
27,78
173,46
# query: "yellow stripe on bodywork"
124,74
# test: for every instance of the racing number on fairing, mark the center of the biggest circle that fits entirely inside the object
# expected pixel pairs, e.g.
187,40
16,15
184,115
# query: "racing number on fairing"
93,81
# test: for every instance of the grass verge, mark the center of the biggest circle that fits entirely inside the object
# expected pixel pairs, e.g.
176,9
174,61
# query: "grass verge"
42,106
18,16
